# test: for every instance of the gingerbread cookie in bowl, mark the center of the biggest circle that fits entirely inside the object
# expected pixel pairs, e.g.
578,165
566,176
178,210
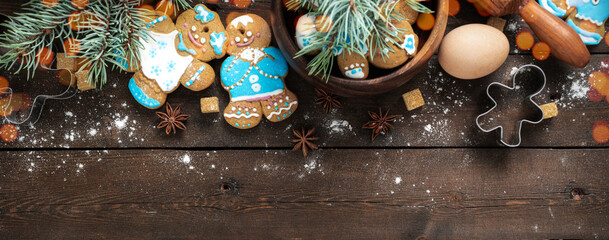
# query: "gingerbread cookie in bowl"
178,54
253,75
406,47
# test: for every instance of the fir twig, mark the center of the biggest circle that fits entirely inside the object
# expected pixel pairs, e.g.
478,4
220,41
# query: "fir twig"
29,32
109,37
358,26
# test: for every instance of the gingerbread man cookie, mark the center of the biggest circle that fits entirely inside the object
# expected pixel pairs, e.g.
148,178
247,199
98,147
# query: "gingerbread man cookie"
177,54
406,47
587,17
253,75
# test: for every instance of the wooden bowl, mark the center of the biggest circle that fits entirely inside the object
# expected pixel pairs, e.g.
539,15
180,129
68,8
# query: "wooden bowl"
352,87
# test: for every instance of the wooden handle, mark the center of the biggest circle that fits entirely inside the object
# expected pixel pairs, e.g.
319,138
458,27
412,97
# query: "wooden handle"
565,44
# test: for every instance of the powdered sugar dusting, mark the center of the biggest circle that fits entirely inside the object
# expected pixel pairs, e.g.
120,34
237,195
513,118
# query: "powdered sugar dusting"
340,126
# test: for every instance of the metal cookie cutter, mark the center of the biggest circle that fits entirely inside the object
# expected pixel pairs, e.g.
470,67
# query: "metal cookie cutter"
538,112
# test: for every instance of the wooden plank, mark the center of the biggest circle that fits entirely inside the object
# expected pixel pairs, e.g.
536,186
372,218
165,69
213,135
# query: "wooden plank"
111,118
351,193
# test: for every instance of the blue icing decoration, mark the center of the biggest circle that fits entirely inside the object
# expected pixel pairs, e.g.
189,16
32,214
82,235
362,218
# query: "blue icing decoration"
277,67
162,44
203,15
408,44
171,66
588,10
255,84
183,47
157,70
217,41
552,8
141,97
155,21
194,77
590,38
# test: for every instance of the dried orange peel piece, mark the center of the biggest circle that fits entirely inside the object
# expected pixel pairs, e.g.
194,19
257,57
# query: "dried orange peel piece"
3,85
525,39
8,132
541,51
599,81
425,21
600,131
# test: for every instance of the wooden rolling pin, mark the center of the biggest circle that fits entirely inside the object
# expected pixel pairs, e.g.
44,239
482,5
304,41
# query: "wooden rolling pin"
565,44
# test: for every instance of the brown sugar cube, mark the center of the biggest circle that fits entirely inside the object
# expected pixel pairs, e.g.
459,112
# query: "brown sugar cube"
82,81
549,110
209,105
413,99
496,22
64,62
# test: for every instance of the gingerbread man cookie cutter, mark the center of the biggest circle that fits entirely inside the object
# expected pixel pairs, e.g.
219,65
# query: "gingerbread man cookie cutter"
529,99
37,105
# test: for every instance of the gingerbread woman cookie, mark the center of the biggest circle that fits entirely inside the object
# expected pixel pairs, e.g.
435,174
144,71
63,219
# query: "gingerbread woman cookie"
253,75
177,54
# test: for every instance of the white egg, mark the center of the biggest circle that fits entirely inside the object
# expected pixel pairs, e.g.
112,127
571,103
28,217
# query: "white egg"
473,51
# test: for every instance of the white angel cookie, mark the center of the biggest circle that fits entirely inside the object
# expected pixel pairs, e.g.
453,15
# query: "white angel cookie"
177,54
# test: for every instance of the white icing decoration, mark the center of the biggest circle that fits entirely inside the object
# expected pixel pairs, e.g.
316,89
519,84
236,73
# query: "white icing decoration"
251,54
203,15
232,115
193,28
356,73
409,44
244,19
305,26
160,60
249,34
281,109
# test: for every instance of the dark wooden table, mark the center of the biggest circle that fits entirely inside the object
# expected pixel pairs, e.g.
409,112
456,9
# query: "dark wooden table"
95,167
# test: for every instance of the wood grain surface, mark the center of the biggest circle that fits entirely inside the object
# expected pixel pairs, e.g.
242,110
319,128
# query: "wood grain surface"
352,193
95,167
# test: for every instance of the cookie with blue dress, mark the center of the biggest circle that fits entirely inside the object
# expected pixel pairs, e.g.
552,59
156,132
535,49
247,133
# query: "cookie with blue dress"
174,55
253,75
587,17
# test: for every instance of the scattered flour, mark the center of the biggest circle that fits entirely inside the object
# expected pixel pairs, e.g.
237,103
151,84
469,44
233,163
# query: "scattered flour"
186,159
340,126
398,180
69,114
92,132
121,123
579,89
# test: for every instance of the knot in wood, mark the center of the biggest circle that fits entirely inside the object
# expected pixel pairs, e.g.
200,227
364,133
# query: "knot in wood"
228,187
577,193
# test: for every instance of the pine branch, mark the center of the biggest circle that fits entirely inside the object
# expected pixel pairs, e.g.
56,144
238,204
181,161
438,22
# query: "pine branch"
358,26
126,19
28,32
108,36
181,5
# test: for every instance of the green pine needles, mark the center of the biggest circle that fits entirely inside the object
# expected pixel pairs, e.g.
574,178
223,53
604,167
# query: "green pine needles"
357,26
109,36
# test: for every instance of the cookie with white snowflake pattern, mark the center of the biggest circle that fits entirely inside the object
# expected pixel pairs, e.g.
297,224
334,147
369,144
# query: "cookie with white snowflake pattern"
172,55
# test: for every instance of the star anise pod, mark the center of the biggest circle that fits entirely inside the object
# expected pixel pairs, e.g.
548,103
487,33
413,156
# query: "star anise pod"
172,119
380,122
328,100
303,141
